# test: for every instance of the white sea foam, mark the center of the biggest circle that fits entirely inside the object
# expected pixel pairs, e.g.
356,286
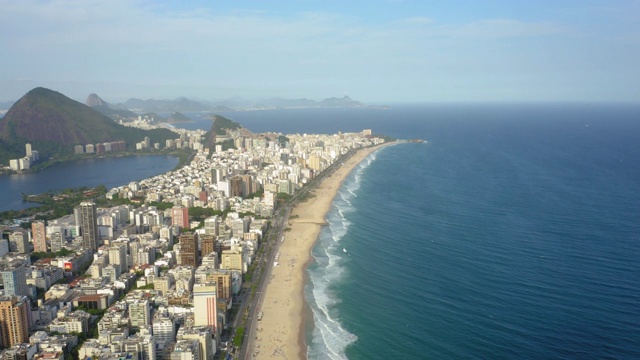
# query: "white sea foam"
330,339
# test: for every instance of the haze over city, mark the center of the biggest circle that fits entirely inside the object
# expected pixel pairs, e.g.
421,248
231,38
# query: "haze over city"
380,51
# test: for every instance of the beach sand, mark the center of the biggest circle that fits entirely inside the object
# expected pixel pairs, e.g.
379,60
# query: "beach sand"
280,334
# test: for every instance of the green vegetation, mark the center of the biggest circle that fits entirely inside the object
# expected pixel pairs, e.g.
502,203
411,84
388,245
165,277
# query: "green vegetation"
161,205
228,144
282,140
200,213
54,124
221,124
35,256
239,337
257,194
56,204
386,138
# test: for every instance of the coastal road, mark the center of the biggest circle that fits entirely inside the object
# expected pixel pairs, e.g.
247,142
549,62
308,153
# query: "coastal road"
272,247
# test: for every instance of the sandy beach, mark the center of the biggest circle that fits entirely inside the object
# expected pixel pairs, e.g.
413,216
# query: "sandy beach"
280,334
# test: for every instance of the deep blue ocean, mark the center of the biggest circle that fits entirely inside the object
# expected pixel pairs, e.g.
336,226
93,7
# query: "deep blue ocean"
514,233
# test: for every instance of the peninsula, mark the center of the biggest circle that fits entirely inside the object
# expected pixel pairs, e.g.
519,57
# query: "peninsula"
188,261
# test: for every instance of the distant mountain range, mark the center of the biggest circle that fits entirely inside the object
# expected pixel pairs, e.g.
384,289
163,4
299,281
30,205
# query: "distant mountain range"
234,104
133,107
54,123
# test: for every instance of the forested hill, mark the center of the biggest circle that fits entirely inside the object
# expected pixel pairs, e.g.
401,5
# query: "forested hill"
54,123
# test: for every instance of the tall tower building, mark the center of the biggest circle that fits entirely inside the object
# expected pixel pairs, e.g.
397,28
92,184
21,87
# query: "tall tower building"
208,244
28,150
89,224
39,236
205,306
189,249
180,217
14,323
15,280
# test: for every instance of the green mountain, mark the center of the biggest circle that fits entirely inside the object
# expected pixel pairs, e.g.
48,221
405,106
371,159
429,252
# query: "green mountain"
54,124
219,127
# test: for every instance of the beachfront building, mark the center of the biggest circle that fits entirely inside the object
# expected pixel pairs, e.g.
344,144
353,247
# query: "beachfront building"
204,304
232,259
229,241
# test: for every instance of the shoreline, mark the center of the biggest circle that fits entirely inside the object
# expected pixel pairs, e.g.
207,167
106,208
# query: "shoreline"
281,333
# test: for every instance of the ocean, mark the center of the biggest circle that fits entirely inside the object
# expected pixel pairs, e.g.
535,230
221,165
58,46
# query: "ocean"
513,233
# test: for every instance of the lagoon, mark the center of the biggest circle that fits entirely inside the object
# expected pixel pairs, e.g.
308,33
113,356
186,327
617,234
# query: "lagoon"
110,172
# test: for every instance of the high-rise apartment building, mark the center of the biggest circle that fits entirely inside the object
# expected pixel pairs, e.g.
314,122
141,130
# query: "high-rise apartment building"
222,279
18,242
39,236
139,313
14,323
89,224
164,328
180,216
15,280
207,244
189,249
205,306
118,256
232,260
56,241
212,226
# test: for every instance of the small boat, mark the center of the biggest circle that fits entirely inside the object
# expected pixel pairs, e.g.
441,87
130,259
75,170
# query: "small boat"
343,249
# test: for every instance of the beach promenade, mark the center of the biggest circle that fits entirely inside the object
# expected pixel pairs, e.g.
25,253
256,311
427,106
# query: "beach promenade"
280,332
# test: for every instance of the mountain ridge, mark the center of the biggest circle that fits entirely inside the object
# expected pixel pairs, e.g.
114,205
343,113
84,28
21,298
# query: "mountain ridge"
54,124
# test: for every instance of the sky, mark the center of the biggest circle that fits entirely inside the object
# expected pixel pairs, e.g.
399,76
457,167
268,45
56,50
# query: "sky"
376,51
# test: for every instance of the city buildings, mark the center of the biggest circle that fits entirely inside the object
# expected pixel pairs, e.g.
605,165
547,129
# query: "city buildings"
18,242
205,307
89,224
15,279
180,217
14,321
189,249
194,295
39,236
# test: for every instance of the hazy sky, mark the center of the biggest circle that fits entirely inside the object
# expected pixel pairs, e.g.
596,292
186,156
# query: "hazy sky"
375,51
